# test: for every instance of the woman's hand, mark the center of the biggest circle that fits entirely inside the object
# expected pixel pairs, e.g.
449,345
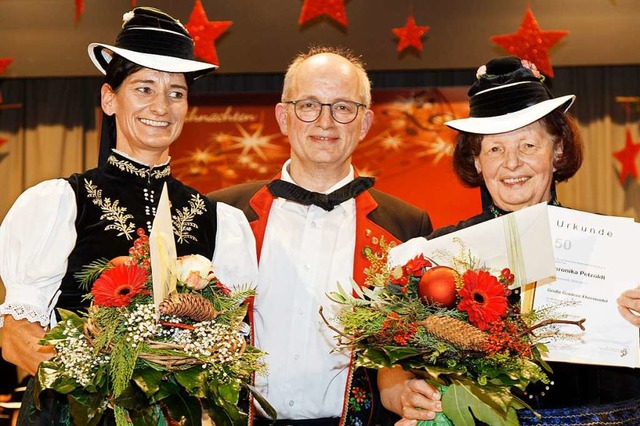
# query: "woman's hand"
629,306
412,399
20,344
420,401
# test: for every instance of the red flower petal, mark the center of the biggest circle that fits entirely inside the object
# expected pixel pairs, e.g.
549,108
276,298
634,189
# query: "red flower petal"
483,298
119,285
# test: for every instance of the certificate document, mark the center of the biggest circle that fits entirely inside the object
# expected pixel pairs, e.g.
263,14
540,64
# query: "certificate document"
596,259
520,241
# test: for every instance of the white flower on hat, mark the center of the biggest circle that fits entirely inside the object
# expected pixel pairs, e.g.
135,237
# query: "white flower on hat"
194,271
127,17
482,71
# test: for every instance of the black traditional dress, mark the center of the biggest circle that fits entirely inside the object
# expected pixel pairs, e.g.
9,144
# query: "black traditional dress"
59,226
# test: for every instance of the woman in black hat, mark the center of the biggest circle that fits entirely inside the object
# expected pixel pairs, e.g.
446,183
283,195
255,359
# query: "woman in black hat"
61,225
516,145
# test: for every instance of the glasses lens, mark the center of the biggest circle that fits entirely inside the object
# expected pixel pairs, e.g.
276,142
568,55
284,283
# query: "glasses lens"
344,111
308,109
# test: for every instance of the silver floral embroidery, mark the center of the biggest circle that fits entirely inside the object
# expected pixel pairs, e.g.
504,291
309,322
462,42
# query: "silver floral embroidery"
111,211
129,167
183,219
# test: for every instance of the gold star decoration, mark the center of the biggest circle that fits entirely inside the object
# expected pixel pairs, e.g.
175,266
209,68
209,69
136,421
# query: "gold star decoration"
255,142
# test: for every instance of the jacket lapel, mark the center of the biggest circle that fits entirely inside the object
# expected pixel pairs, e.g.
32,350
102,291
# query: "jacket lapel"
261,203
368,234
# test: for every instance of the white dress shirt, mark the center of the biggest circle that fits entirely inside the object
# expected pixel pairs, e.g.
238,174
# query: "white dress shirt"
305,253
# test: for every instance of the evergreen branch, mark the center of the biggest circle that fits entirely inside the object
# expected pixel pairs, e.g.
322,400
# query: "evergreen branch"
91,272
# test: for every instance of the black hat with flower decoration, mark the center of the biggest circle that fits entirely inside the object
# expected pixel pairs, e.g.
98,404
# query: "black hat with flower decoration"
152,39
509,93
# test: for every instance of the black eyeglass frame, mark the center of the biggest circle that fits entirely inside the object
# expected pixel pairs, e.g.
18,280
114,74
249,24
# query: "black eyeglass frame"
330,105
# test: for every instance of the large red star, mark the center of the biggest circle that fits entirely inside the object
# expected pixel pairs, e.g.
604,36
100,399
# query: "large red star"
332,8
627,157
4,63
205,33
531,43
410,35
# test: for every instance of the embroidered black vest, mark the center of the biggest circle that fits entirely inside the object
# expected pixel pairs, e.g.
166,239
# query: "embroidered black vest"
116,199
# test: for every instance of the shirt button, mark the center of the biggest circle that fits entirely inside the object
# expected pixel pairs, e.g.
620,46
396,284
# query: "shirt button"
296,356
300,311
307,267
291,403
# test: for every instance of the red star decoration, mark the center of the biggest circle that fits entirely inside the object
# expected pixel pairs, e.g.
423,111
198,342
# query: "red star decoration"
79,9
531,43
627,157
332,8
205,33
410,35
4,63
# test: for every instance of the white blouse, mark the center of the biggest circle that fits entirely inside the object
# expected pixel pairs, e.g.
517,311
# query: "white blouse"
33,259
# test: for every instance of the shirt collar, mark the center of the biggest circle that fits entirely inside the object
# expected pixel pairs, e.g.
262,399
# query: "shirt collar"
286,176
122,163
342,182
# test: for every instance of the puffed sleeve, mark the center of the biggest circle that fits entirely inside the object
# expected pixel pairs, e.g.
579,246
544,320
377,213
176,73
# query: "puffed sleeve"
234,260
36,238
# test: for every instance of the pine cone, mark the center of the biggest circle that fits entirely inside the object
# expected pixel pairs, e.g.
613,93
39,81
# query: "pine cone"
459,333
189,305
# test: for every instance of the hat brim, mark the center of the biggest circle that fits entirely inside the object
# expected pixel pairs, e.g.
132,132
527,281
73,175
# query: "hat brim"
512,121
101,55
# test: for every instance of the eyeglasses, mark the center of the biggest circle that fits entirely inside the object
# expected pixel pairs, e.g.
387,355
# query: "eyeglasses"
308,110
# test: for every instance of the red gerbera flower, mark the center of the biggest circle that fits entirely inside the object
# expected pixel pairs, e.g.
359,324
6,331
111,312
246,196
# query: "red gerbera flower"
416,266
483,298
117,286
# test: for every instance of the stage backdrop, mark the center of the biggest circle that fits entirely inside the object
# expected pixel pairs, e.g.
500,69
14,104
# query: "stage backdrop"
230,139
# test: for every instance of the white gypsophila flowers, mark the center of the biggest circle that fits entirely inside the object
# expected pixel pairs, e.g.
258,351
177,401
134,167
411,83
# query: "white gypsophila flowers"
217,342
76,356
141,324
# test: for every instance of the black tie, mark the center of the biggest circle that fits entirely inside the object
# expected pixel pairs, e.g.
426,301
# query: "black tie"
291,191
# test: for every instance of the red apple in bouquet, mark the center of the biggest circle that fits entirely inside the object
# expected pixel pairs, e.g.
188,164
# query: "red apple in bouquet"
438,285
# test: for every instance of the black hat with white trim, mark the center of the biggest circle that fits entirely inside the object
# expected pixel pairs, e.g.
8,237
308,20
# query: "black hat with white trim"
508,94
152,39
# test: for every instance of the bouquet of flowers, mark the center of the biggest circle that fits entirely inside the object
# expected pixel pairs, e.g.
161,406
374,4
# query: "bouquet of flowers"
454,326
120,355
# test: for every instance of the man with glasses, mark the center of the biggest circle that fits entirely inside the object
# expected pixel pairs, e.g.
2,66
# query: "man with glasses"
312,223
